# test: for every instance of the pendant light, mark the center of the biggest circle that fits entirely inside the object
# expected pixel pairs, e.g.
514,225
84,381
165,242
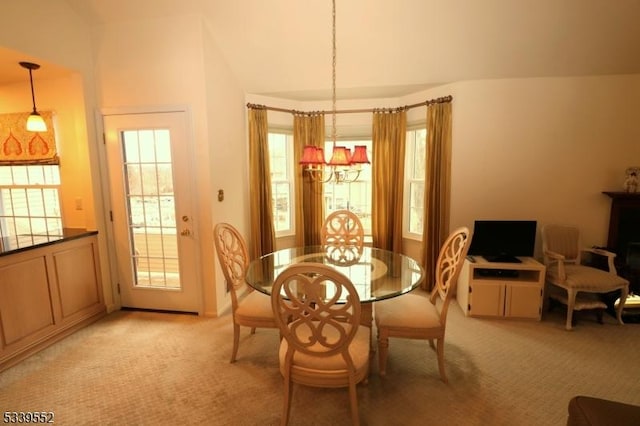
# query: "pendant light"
35,122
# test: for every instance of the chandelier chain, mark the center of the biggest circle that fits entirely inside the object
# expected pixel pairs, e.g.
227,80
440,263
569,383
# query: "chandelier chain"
333,77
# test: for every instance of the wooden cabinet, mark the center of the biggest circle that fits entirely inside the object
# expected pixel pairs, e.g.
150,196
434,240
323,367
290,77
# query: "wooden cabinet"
47,292
493,289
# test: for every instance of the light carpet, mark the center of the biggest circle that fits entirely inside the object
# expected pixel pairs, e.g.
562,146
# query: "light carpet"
144,368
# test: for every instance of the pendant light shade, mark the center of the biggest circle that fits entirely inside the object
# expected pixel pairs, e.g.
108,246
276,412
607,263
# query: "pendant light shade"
35,122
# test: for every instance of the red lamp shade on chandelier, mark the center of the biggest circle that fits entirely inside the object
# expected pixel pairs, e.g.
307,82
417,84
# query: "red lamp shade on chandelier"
340,156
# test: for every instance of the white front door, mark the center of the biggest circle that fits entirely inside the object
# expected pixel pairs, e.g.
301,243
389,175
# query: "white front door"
151,198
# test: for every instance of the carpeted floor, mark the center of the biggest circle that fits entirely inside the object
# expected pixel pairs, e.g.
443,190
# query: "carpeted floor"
142,368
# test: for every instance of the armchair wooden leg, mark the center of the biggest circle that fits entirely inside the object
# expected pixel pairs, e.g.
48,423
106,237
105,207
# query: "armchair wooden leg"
571,302
624,292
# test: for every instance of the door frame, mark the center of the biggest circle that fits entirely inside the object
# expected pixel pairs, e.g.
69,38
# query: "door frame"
106,192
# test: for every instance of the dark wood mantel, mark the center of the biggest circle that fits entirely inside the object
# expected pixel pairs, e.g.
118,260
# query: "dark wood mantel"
633,196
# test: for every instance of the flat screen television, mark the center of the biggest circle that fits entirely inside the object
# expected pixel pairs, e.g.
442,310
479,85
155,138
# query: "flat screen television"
503,240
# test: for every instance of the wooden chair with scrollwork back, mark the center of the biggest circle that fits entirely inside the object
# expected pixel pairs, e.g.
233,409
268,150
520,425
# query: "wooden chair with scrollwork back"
249,308
413,316
342,228
318,311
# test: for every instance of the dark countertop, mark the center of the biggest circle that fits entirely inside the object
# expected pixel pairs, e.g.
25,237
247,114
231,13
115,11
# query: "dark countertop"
16,244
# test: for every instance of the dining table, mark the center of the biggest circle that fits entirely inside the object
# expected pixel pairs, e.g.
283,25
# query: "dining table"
377,274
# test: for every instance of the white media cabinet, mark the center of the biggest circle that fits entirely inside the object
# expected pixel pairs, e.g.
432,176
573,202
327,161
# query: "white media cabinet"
495,289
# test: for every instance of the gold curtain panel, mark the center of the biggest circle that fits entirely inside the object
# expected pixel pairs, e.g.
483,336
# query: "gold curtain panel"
19,146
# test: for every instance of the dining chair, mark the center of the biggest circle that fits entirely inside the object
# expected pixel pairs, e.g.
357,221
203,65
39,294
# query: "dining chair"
342,228
574,283
413,316
317,309
249,308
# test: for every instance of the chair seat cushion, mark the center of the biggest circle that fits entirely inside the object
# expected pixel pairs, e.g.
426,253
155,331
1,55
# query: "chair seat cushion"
255,305
408,311
585,278
358,349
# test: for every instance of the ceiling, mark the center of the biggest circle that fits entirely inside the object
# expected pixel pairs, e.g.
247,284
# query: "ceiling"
388,48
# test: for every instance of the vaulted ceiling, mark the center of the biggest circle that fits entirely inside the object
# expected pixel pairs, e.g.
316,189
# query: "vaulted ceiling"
390,48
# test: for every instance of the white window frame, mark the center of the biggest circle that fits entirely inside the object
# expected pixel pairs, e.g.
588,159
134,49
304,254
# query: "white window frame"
410,180
28,215
289,180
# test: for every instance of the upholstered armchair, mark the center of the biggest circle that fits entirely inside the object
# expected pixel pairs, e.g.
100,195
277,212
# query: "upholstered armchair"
562,255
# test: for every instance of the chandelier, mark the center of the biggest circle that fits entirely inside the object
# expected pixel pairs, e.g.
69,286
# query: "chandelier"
344,165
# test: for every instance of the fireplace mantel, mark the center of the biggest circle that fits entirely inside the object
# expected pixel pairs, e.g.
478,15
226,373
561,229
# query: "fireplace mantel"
624,222
630,196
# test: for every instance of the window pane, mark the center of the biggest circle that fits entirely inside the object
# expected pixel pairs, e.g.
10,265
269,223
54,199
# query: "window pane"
165,179
20,176
149,179
147,146
51,175
416,209
419,154
415,177
163,146
278,156
36,175
281,203
280,161
134,180
6,177
19,202
51,202
36,202
168,211
131,149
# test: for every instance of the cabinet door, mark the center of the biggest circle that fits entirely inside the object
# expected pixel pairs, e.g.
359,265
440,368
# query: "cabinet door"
486,299
523,300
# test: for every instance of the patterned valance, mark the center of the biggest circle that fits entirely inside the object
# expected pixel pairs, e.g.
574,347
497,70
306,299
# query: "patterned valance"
19,146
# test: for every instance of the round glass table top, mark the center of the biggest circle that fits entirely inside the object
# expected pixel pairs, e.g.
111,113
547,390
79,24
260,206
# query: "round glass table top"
377,274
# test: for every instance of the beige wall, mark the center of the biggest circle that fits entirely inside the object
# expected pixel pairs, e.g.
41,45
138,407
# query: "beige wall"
543,149
183,68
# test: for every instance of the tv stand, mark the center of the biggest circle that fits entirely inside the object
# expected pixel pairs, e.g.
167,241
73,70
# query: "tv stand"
501,289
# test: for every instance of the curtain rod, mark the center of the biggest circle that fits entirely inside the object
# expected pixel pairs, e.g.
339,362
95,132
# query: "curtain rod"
351,111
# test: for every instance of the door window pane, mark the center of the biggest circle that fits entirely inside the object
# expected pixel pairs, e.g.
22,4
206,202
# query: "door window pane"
151,208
